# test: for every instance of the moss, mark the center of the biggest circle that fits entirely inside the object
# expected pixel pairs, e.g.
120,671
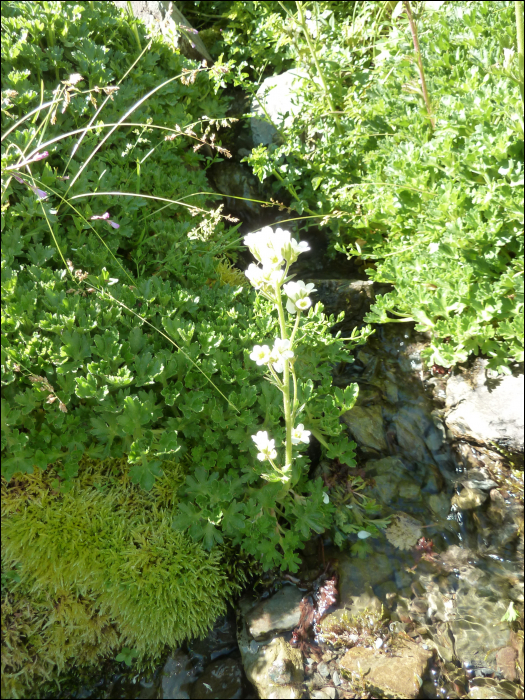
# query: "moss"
341,629
100,568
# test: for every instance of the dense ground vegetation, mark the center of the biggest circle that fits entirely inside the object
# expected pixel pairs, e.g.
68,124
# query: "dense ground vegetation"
128,395
427,183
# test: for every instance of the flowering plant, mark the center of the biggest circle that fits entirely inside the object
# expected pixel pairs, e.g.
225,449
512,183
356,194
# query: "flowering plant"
276,251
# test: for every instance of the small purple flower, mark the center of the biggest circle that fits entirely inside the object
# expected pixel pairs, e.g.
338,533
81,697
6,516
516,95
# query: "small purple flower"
39,193
106,218
39,156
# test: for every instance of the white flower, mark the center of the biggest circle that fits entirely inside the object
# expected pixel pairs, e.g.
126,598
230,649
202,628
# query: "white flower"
281,351
364,534
262,246
301,304
272,248
297,293
264,278
265,446
260,354
508,56
299,434
256,275
433,247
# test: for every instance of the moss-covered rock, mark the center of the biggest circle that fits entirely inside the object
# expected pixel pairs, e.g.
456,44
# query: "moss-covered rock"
99,567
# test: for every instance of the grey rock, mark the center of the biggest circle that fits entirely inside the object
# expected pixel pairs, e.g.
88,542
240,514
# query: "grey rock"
279,98
411,426
357,574
239,184
222,679
276,614
178,675
485,408
366,426
323,670
323,694
336,678
479,479
272,666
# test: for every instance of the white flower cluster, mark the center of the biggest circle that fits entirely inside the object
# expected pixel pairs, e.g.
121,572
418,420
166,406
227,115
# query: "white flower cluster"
281,351
272,250
265,446
276,251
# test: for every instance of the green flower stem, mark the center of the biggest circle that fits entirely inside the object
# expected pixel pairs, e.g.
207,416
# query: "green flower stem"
295,403
319,436
286,383
292,191
296,326
413,29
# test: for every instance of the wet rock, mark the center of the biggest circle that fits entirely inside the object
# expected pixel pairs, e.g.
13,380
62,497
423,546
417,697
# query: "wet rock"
272,664
409,490
497,509
487,408
353,296
411,424
278,613
152,13
506,663
366,426
239,184
178,675
478,630
356,574
221,640
455,557
479,479
400,674
222,679
491,688
439,504
355,606
391,392
469,499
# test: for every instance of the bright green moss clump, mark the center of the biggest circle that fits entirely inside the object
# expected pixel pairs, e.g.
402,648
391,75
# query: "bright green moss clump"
100,568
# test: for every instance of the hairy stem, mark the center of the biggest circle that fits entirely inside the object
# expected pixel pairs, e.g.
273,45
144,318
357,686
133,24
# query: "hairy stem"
520,40
286,384
413,29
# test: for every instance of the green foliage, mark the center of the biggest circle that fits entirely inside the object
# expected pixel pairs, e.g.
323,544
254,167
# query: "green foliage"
134,343
447,229
104,564
438,211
